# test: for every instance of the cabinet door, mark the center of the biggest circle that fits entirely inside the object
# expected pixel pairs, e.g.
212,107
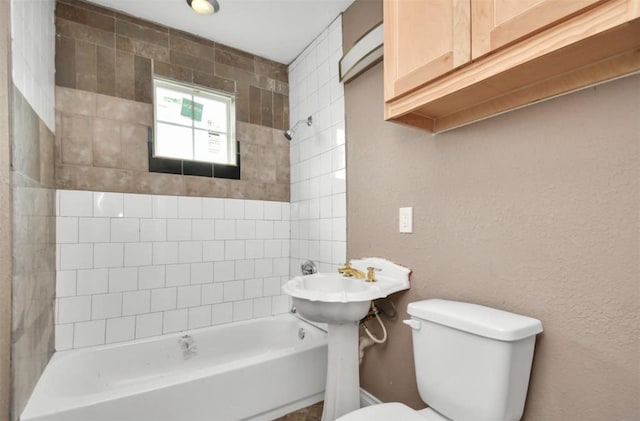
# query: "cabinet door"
423,39
496,23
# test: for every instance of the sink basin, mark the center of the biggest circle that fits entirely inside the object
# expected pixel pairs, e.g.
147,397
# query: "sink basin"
341,302
332,287
334,298
329,297
324,312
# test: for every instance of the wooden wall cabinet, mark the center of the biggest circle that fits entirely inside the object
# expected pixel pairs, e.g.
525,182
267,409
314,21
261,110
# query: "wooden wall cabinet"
451,62
496,23
430,38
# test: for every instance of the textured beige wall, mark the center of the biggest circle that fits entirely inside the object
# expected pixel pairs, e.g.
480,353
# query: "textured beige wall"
358,19
536,212
5,218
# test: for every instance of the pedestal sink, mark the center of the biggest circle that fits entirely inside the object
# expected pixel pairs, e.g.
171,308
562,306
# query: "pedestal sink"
341,302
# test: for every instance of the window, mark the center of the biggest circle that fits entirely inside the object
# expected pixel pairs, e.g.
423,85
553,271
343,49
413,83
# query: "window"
193,123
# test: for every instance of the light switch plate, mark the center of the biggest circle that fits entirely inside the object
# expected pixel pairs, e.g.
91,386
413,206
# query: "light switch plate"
406,220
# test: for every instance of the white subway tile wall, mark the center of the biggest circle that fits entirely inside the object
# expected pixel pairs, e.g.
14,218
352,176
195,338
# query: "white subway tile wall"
318,176
132,266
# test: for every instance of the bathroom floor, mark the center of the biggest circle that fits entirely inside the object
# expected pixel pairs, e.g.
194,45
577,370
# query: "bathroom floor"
310,413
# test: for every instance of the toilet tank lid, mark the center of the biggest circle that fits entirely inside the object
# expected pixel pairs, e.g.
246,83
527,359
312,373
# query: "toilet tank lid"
479,320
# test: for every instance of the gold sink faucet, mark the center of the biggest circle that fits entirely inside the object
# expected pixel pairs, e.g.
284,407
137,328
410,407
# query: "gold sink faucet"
350,272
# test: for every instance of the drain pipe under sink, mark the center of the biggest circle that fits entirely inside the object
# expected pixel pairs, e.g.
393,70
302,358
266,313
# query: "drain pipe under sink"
365,342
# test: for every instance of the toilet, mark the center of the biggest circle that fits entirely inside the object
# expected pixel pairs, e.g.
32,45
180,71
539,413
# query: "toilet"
472,364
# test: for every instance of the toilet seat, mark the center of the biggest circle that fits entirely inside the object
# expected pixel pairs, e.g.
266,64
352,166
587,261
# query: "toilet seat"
383,412
391,411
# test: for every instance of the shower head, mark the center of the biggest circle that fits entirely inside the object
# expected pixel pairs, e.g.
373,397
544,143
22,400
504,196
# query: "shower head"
289,133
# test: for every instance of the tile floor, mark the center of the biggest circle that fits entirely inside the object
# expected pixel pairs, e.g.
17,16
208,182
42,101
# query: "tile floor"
310,413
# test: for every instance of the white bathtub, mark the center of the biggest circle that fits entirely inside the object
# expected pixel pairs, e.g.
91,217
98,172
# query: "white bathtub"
253,370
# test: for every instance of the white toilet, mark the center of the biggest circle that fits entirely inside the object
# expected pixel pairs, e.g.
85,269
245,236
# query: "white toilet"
472,364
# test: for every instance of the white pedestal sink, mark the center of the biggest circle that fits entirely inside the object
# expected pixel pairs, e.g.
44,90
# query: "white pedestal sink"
341,302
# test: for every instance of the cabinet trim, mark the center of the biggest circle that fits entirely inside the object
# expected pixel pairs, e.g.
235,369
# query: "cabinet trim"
536,19
431,70
595,36
619,66
461,32
390,48
419,121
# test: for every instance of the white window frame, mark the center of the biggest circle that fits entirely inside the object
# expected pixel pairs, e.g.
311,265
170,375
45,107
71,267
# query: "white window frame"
196,90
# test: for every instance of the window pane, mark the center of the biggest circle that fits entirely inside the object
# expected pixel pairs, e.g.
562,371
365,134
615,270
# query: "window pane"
174,107
174,141
193,123
213,116
211,147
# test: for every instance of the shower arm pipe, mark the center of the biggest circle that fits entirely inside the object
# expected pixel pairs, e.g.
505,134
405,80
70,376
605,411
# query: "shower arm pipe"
308,120
290,132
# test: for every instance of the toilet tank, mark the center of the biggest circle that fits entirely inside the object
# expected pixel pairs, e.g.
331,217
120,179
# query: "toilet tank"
472,362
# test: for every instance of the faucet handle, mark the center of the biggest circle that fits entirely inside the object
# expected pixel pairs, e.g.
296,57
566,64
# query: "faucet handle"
371,275
346,266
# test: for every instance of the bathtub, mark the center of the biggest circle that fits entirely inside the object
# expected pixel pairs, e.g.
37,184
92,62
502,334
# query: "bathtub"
252,370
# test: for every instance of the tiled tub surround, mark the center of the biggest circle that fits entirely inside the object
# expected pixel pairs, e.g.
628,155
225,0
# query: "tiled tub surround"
31,110
33,54
133,266
6,205
318,180
33,292
101,145
103,51
33,249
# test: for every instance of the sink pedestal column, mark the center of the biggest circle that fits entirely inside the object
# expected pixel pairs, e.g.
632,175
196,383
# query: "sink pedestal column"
342,393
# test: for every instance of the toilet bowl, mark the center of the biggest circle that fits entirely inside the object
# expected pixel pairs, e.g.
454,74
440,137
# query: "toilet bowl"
393,411
472,363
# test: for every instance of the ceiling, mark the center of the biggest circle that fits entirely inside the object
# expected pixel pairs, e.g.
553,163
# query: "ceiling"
275,29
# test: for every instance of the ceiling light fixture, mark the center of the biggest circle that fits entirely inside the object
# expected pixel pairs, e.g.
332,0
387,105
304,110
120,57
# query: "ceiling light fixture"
204,7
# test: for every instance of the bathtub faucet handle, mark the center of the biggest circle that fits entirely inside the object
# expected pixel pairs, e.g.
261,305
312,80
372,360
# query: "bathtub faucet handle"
187,344
308,268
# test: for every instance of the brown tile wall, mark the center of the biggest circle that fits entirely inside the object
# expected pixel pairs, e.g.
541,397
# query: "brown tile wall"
106,52
101,145
104,66
33,250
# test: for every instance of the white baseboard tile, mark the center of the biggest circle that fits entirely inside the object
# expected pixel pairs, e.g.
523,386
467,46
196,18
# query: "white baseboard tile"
367,399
